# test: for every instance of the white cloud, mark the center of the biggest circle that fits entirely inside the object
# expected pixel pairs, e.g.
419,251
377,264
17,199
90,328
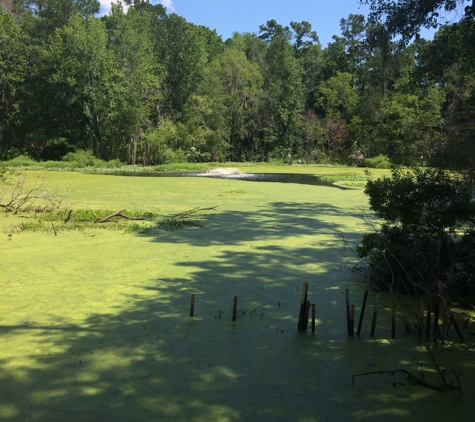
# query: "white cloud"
168,4
106,5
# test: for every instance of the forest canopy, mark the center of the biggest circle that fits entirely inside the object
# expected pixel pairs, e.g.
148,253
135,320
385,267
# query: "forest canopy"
145,86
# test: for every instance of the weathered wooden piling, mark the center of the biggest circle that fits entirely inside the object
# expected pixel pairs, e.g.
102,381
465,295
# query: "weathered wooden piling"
192,305
348,316
363,306
313,317
303,308
235,308
352,320
307,313
375,315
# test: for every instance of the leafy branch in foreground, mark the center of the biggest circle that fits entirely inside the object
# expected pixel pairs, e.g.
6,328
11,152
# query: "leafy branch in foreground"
420,251
427,237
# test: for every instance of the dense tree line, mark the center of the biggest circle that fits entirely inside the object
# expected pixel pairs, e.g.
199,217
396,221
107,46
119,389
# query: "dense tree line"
145,86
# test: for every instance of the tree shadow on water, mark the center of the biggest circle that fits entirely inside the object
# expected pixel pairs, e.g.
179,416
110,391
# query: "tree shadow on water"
270,221
150,361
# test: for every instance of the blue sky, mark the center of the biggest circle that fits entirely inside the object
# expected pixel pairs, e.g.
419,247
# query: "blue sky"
228,16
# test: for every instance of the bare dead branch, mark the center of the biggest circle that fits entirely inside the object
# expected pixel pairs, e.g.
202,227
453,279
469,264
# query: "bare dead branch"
118,214
192,211
68,217
16,195
413,380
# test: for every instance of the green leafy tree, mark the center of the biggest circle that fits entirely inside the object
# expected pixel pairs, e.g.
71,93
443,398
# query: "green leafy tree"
207,134
79,76
406,17
184,50
444,62
337,97
133,110
426,241
41,18
304,37
284,90
13,71
242,99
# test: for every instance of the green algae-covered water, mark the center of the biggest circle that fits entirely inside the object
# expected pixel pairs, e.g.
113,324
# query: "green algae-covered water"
95,324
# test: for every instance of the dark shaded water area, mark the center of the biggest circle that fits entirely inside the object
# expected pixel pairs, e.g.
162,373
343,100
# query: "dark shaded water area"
301,179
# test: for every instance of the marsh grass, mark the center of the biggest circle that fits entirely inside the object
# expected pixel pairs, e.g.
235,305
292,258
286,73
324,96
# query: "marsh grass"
351,180
343,177
86,163
142,222
235,192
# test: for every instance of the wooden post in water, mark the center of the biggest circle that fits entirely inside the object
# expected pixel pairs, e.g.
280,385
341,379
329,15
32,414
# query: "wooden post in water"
303,308
375,315
235,308
313,317
352,320
393,321
307,313
192,305
363,306
348,316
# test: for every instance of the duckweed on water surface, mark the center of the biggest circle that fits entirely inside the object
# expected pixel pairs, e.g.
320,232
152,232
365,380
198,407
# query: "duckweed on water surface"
95,324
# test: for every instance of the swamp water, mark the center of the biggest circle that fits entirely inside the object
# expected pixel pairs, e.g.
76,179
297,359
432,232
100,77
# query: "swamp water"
95,325
230,174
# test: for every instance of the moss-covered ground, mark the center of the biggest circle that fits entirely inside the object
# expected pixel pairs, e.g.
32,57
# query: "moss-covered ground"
95,325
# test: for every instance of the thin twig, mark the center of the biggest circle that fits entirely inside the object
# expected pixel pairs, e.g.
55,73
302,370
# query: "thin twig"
192,211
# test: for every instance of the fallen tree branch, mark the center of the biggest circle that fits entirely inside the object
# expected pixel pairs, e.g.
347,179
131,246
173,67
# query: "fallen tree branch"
413,380
68,217
192,211
17,195
118,214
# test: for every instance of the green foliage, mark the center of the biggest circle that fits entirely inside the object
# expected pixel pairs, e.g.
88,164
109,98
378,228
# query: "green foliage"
237,88
13,71
379,162
186,167
81,159
146,87
406,17
427,233
343,177
21,161
337,97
